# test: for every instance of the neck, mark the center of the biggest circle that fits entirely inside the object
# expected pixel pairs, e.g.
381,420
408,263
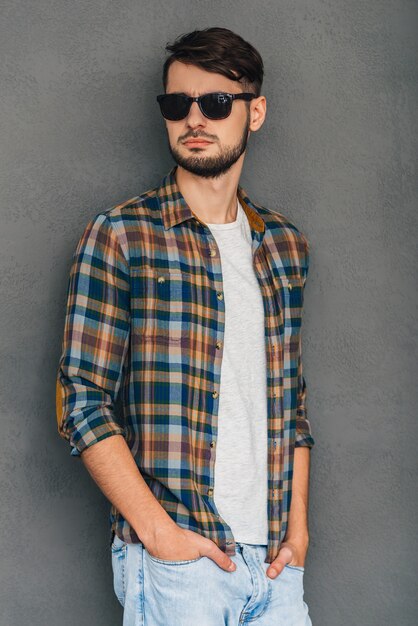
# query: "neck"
212,200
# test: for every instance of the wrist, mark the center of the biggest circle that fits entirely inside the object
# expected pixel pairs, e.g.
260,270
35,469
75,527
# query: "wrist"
163,529
300,539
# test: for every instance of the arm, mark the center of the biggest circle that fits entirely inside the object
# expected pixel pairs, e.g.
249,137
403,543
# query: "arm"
95,340
113,468
297,527
95,345
303,427
294,547
296,541
295,544
91,369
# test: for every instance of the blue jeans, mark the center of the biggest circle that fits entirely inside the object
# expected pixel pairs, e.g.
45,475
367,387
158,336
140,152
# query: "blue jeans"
197,592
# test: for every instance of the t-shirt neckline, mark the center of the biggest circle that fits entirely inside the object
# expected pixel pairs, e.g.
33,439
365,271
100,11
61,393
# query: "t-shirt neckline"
237,222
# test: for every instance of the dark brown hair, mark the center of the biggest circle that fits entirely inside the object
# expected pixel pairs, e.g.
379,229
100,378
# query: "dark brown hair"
221,51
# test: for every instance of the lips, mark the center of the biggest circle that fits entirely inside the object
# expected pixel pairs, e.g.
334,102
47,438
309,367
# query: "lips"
201,142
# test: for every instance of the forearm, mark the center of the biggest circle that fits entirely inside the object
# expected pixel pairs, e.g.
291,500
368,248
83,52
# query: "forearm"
298,515
112,466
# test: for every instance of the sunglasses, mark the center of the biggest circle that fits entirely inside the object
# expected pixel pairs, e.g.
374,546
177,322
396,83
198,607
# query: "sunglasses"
215,106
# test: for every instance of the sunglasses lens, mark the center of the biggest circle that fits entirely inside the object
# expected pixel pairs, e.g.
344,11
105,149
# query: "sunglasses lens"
216,105
174,106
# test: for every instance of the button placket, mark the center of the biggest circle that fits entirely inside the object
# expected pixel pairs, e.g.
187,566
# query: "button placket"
214,264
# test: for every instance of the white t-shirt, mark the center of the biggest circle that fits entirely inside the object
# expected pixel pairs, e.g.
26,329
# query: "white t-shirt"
240,479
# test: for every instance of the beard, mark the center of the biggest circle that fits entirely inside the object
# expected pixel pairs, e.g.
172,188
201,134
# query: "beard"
213,166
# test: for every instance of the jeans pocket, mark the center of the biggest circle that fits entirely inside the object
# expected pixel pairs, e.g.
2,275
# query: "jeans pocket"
298,568
167,562
118,550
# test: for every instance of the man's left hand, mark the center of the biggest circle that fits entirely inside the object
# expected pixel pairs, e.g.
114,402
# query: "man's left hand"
291,552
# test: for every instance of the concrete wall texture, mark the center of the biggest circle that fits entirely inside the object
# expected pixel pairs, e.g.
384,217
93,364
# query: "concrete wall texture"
81,131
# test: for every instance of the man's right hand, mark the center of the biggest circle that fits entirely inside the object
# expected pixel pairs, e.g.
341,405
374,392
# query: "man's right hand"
180,544
112,466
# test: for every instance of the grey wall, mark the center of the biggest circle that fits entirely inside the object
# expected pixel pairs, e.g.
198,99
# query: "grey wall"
337,154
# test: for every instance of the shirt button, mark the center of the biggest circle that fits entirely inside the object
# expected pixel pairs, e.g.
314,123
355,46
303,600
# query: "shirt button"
289,285
161,279
212,444
219,345
210,491
212,252
215,394
220,295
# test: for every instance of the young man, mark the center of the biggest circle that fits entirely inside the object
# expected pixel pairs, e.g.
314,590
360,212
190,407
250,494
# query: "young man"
188,300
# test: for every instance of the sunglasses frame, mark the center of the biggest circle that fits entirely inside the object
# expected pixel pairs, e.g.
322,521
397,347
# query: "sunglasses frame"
189,99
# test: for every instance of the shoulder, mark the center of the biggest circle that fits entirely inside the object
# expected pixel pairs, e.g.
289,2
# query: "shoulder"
124,216
278,222
144,205
282,228
288,245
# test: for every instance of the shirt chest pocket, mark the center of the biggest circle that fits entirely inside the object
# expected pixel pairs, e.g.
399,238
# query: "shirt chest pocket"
291,292
160,303
288,304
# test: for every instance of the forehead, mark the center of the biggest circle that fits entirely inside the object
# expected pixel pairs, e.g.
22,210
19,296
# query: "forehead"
194,81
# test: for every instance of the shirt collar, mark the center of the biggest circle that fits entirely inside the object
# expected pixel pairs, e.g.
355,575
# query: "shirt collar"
174,208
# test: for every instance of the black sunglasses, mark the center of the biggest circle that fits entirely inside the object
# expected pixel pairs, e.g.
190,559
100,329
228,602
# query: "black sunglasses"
215,106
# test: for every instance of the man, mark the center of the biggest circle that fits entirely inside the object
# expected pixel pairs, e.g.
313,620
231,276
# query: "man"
188,300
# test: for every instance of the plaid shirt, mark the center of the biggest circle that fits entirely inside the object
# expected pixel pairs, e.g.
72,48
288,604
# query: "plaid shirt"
145,317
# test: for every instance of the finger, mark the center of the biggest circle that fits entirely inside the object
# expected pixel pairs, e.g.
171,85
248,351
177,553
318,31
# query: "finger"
276,567
221,559
285,555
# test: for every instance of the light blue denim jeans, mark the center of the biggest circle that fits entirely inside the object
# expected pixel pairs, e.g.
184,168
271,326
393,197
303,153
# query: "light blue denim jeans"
197,592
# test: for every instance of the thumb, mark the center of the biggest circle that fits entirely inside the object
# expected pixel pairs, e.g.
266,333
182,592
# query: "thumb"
221,559
277,566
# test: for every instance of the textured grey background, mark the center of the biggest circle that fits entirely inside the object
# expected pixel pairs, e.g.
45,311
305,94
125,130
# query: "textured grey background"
80,131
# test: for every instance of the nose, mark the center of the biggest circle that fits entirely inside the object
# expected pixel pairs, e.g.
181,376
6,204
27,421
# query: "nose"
195,116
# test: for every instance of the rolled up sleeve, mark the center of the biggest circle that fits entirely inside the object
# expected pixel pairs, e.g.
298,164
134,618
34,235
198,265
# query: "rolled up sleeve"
303,427
95,339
